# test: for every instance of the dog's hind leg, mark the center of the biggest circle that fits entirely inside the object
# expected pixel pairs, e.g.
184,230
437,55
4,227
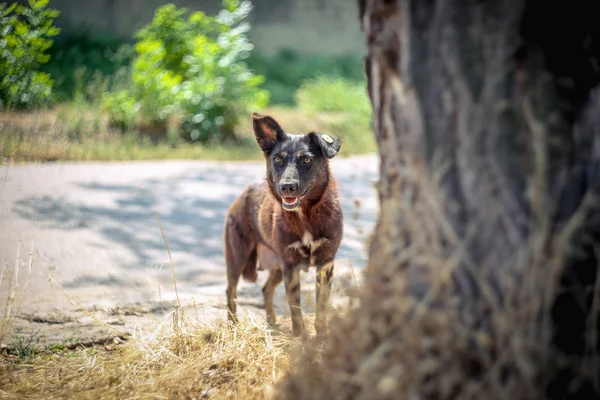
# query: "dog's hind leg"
238,254
270,261
268,290
233,276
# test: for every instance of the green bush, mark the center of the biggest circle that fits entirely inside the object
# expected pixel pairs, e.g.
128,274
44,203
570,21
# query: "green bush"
81,58
193,68
23,45
122,109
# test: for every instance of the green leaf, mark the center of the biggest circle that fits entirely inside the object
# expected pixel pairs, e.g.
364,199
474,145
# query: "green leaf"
37,4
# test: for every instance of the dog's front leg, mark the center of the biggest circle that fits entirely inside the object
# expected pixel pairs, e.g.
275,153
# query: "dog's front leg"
291,280
323,290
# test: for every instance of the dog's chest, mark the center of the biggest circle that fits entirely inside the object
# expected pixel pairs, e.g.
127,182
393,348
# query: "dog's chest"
307,247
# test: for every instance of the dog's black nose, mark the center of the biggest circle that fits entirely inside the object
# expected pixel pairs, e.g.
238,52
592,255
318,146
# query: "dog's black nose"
288,188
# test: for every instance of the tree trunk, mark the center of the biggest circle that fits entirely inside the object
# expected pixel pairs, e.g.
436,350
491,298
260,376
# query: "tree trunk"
482,272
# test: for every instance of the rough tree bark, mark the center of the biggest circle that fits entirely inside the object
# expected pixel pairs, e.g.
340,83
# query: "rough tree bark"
487,118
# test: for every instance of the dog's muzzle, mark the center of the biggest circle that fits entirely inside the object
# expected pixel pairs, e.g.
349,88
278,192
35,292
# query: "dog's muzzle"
290,203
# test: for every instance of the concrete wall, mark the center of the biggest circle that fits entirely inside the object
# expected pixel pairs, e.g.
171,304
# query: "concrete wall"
308,26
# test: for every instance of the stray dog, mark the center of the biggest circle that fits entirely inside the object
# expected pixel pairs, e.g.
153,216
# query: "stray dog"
291,221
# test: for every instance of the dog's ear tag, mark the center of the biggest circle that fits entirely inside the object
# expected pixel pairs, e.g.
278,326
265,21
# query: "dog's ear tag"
327,138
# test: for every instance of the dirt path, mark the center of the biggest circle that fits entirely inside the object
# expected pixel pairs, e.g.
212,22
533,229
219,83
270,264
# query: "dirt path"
92,229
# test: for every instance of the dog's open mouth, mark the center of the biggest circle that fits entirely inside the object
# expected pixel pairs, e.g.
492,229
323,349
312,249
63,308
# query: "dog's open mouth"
290,203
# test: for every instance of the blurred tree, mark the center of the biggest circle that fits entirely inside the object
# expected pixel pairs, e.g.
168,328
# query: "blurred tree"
482,271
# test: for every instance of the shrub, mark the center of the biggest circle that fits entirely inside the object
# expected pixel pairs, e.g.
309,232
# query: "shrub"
194,68
23,45
122,109
226,86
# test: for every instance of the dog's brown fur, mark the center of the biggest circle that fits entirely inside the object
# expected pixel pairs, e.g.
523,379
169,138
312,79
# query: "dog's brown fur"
259,229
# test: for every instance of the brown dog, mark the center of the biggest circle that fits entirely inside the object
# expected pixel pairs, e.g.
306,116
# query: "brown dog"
291,221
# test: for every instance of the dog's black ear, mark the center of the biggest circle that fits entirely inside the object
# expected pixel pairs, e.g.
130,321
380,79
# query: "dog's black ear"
329,145
267,131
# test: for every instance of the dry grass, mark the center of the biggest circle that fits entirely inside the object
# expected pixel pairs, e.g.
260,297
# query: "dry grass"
75,132
15,295
179,357
193,361
80,132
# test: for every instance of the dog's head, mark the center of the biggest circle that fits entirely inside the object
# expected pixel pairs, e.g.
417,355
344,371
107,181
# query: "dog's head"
297,165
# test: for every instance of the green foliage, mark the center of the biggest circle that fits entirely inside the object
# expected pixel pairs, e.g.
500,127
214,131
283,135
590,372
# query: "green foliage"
194,68
122,109
22,346
333,94
220,89
166,34
349,102
288,70
155,86
24,41
81,59
356,131
112,57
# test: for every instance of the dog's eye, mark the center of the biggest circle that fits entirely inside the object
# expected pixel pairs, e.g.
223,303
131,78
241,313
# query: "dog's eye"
307,160
277,160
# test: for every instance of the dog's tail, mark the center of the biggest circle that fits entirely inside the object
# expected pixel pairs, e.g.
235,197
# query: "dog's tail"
249,272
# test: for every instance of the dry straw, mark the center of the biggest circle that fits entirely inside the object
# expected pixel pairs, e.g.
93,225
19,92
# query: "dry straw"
181,359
